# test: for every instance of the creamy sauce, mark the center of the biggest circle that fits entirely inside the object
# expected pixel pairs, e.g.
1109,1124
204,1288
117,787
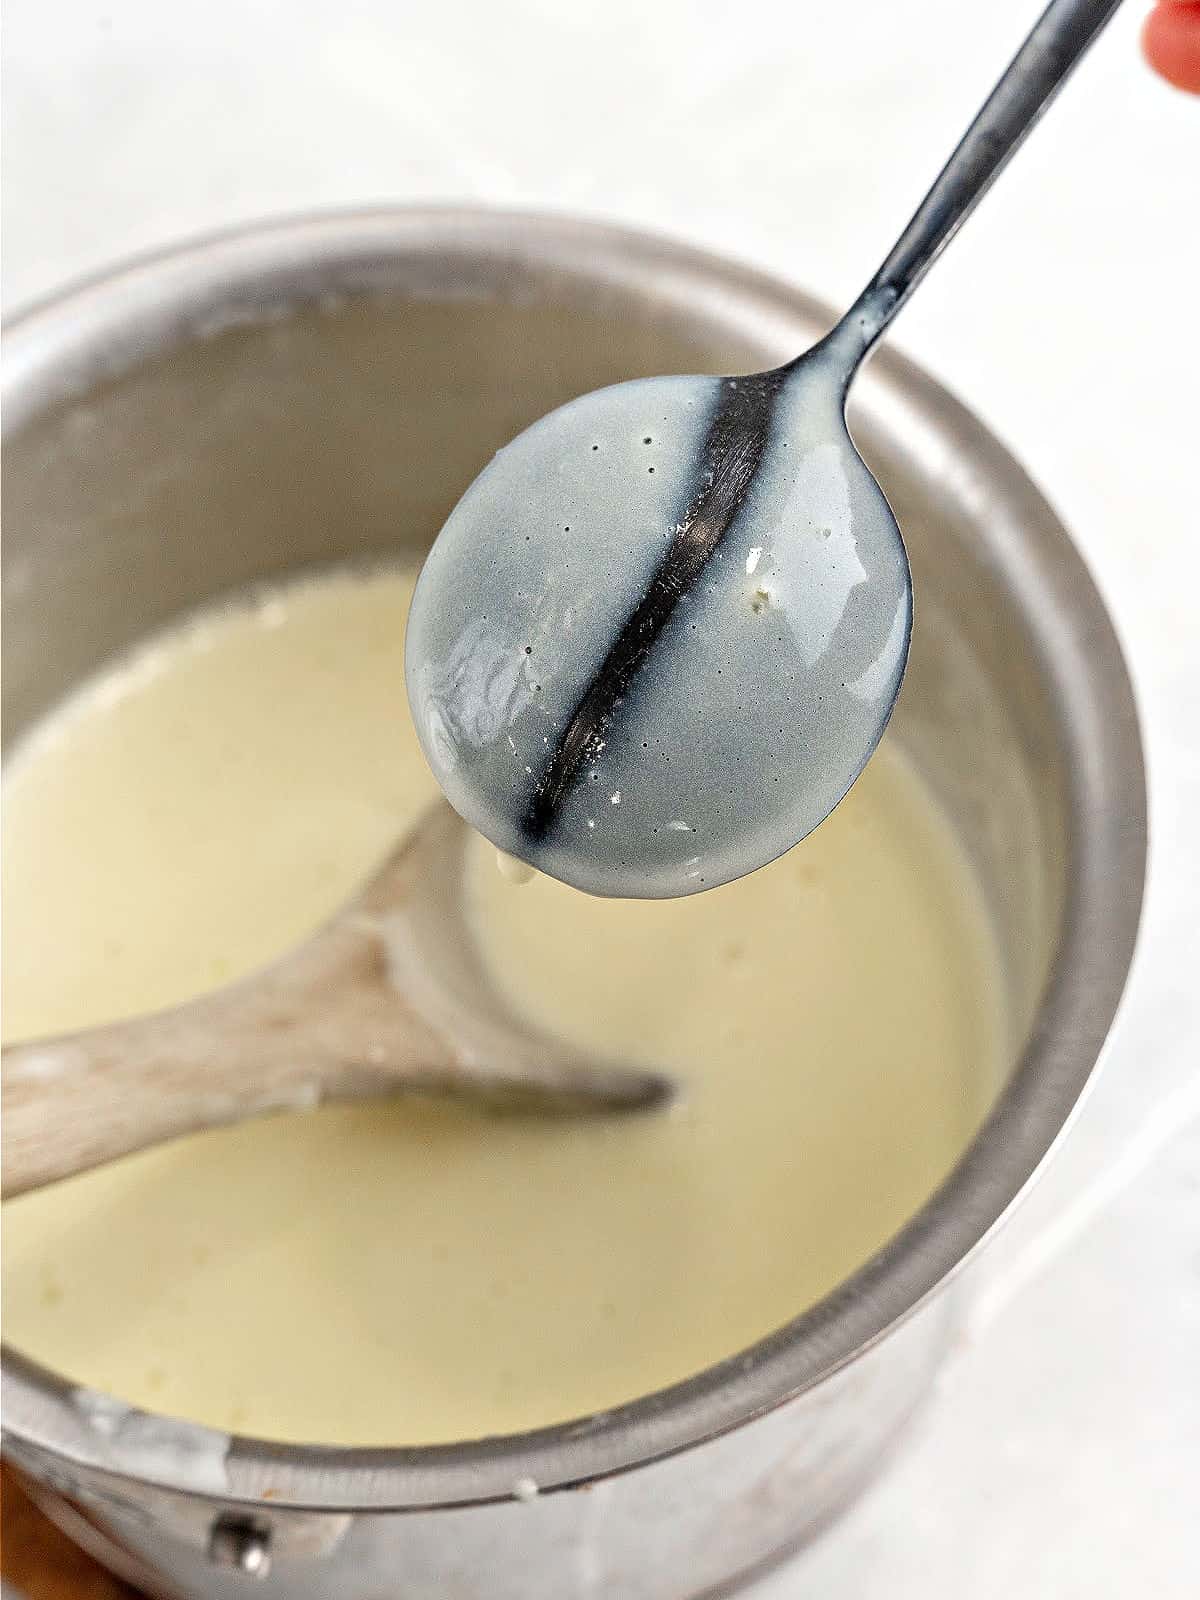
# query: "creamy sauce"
762,693
413,1272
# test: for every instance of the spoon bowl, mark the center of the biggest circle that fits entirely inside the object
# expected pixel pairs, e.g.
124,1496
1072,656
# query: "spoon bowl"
679,654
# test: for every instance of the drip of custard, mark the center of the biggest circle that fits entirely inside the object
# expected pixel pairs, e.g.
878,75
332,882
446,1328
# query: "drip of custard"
410,1271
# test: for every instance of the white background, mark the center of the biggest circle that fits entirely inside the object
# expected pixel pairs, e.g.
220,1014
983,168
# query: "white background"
1063,1456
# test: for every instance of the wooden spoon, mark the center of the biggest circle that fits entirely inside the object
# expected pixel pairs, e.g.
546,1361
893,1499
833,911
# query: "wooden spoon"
389,996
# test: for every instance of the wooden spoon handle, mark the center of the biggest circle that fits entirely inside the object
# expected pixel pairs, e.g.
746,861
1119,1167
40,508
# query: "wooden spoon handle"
322,1024
390,996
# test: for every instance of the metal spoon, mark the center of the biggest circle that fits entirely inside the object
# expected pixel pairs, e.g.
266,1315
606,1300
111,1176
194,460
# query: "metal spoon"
663,631
390,995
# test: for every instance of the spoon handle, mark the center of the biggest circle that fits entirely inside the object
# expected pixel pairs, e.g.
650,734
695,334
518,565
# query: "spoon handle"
1059,39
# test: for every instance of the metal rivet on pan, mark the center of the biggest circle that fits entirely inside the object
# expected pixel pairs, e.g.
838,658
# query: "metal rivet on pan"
240,1543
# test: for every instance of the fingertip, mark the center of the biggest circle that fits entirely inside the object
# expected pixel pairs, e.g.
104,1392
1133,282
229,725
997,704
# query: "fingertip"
1171,43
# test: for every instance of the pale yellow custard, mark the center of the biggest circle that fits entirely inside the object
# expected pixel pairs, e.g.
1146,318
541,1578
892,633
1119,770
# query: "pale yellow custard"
408,1272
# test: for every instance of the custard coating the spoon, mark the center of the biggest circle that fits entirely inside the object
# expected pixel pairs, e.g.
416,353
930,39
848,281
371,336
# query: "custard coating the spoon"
681,651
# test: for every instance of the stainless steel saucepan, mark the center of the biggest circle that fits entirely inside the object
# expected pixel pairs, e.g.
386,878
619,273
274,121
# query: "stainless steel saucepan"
324,389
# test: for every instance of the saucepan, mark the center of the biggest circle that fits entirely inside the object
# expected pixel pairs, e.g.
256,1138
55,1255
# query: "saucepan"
324,389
